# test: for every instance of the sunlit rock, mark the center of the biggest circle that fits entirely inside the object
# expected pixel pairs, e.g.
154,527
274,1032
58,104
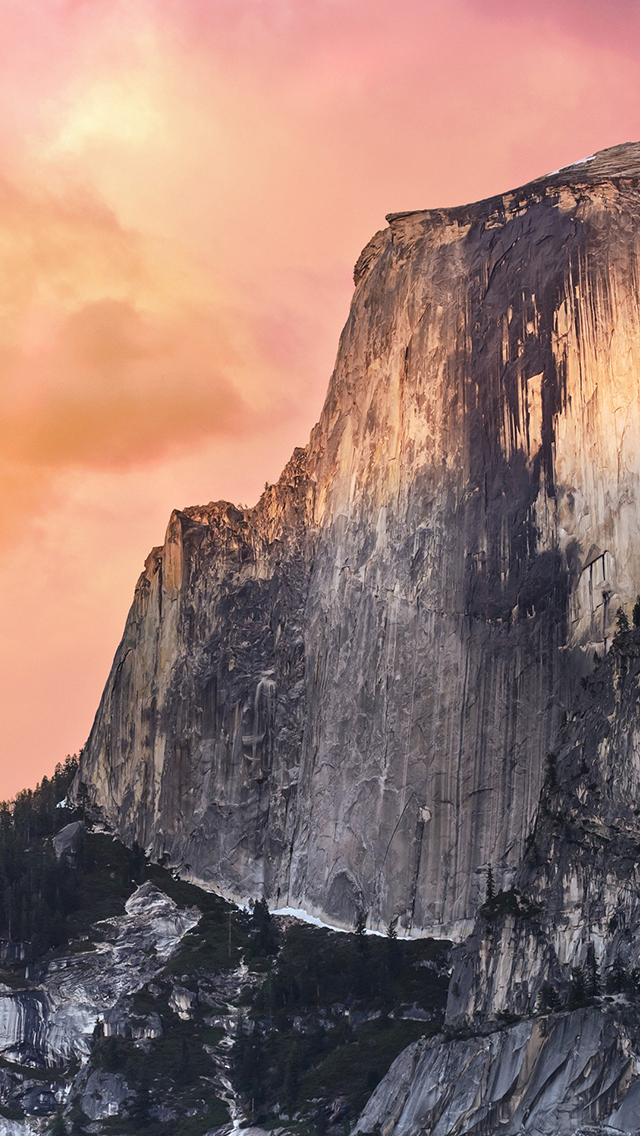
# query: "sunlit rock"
342,698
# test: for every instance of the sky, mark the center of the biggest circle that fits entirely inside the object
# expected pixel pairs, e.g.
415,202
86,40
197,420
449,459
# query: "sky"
185,186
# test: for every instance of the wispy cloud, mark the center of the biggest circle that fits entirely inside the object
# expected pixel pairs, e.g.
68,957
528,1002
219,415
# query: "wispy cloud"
183,192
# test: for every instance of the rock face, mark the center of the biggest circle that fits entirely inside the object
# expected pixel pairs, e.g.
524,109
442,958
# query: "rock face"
580,875
54,1023
343,697
544,1077
567,933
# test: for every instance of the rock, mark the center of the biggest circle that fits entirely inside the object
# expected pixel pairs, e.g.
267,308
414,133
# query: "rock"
17,1128
120,1022
67,841
575,904
182,1002
147,1028
543,1077
36,1098
342,698
104,1095
581,871
54,1023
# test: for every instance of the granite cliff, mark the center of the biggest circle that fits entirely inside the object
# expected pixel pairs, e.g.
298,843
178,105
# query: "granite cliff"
343,698
576,901
542,1027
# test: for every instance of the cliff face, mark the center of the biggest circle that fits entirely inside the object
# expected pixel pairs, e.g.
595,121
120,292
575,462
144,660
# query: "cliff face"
561,950
580,875
543,1077
196,746
343,698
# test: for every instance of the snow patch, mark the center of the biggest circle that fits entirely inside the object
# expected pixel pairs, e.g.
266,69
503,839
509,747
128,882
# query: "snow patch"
246,905
305,917
580,162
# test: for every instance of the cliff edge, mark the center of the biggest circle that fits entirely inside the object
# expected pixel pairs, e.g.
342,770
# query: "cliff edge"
343,698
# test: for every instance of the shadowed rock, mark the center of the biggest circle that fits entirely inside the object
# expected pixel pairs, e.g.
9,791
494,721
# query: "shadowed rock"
342,698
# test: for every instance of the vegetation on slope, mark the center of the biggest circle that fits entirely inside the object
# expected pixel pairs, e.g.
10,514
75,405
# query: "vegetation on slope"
306,1020
332,1013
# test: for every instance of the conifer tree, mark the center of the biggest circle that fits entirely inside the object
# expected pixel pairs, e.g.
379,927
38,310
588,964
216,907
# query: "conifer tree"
491,889
617,978
291,1080
592,977
140,1109
622,621
394,954
548,999
79,1120
360,931
577,988
58,1128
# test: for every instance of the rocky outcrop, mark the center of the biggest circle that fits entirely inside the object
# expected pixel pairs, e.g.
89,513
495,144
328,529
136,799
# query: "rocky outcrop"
68,840
104,1095
544,1077
343,697
53,1022
579,881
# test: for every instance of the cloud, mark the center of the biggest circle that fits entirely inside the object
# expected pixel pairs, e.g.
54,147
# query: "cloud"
614,25
184,188
115,389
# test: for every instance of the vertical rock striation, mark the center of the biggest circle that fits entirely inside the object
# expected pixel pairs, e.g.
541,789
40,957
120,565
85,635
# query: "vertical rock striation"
343,697
543,1077
579,879
561,950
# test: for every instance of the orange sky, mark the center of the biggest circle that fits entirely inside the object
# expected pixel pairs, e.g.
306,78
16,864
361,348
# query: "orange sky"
184,188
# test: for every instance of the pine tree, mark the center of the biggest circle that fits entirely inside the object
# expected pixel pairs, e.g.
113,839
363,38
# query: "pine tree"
617,978
394,954
548,999
291,1081
140,1109
58,1128
79,1120
592,977
184,1071
552,772
491,889
636,612
577,989
265,940
360,931
622,621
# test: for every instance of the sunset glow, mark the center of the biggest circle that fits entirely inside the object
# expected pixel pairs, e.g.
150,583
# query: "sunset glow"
185,186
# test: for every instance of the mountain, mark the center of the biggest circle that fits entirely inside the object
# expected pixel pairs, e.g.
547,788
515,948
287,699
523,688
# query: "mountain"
342,699
542,1031
401,691
133,1002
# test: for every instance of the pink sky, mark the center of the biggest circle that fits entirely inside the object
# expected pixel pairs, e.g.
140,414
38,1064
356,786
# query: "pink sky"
184,189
